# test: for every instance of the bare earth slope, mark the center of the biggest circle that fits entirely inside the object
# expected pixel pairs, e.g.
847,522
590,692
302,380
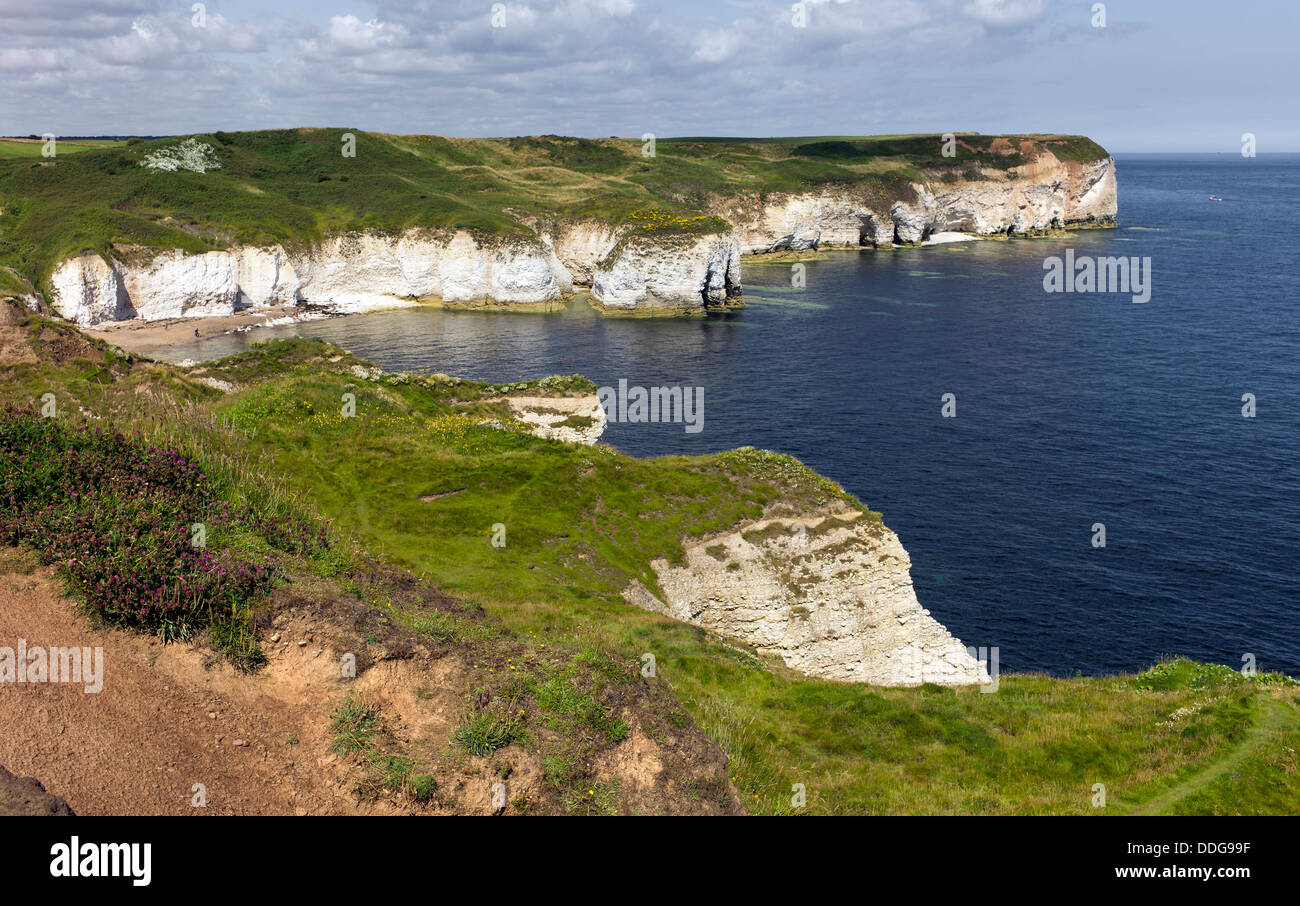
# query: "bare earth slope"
169,718
139,746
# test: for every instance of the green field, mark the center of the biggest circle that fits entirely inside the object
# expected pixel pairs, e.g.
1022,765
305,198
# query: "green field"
295,186
416,483
27,147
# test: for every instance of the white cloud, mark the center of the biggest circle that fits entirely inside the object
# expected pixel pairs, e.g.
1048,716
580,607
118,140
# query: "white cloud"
348,34
592,67
29,60
1006,12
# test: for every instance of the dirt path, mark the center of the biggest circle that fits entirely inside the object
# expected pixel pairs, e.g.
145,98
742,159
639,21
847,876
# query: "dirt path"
1276,716
164,722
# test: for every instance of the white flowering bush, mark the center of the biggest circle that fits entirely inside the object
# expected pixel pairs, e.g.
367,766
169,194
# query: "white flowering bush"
191,154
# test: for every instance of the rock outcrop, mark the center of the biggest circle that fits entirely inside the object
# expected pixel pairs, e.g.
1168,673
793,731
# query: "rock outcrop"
1043,194
580,245
628,269
572,419
830,595
27,796
653,272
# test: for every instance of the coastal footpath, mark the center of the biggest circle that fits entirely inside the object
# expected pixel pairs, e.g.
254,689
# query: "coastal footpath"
671,244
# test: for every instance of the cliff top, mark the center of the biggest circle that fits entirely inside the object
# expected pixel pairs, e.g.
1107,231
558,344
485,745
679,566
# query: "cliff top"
203,192
541,678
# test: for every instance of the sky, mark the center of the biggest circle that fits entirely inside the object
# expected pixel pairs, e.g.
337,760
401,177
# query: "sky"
1160,75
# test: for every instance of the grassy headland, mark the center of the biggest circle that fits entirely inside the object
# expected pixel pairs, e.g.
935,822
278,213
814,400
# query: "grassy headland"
143,501
294,186
416,481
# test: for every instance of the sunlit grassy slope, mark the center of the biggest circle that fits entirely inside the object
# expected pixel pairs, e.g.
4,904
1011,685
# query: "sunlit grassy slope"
426,488
28,147
421,485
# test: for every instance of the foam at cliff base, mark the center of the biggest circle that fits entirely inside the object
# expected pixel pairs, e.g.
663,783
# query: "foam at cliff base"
945,238
352,305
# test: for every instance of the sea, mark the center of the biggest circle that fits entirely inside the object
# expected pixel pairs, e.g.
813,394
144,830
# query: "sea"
1085,482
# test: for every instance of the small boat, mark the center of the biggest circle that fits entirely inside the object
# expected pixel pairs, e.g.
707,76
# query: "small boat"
1216,198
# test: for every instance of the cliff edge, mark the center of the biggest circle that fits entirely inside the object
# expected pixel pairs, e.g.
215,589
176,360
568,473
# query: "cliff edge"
284,219
829,594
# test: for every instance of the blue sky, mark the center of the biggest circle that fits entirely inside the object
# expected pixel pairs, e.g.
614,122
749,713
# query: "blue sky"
1161,75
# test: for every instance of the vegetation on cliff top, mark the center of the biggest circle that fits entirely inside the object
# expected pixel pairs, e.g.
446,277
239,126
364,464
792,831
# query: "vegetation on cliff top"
1037,745
558,642
108,491
294,186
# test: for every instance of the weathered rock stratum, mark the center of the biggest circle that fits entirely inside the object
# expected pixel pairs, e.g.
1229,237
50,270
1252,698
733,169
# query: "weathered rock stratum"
831,595
1043,195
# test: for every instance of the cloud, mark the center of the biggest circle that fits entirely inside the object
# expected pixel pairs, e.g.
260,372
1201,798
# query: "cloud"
591,67
349,35
29,60
1006,13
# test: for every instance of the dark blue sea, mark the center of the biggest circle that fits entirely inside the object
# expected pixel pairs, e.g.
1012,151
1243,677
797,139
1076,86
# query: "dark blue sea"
1072,409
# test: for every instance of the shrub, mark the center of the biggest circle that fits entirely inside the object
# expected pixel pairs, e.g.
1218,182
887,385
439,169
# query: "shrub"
115,515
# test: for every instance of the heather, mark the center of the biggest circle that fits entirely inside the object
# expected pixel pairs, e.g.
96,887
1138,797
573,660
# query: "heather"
139,532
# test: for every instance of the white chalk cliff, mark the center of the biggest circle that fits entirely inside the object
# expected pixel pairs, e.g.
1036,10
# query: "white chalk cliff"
831,595
625,267
1041,195
649,271
350,272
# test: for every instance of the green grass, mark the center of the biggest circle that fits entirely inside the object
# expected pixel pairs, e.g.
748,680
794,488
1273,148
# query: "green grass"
353,723
483,732
235,637
32,148
1038,745
13,285
294,186
359,733
559,648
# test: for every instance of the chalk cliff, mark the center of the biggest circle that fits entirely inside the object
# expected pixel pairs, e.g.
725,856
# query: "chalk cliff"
1043,194
649,272
831,595
627,268
348,273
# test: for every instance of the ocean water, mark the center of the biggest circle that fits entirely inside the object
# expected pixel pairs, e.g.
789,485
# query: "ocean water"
1072,410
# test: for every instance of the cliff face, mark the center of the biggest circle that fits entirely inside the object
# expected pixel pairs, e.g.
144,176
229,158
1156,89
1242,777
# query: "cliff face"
349,273
651,272
830,595
627,269
1043,194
